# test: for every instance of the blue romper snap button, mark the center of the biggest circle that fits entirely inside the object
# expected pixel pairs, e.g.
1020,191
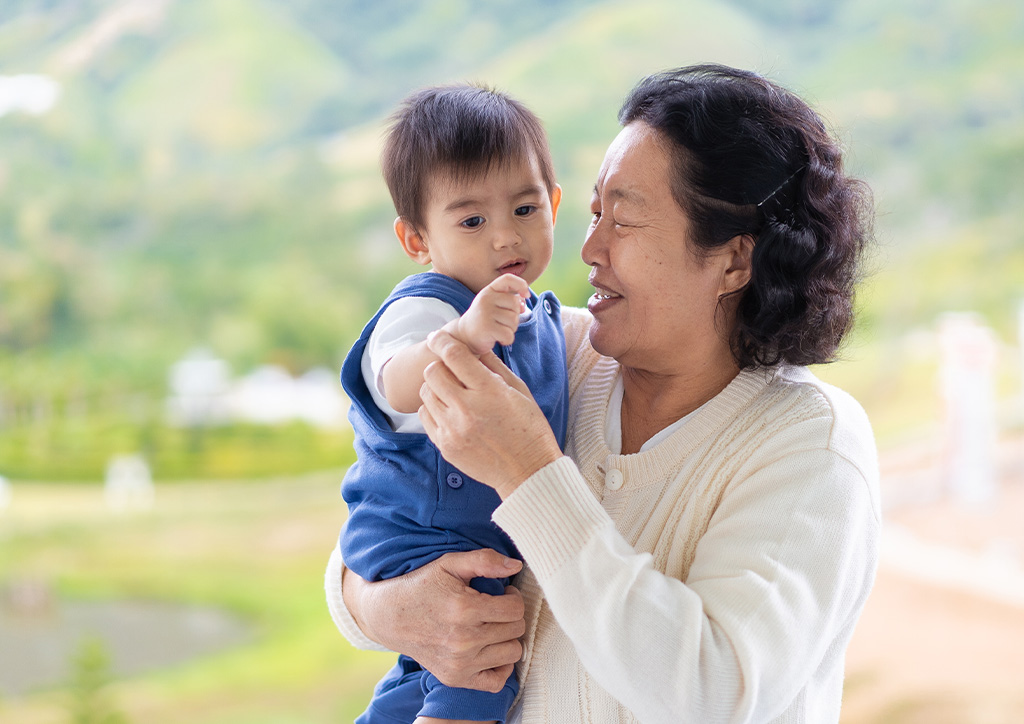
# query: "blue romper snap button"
454,480
547,306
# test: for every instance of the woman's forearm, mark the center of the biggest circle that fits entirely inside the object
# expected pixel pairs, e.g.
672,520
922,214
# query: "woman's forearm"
343,588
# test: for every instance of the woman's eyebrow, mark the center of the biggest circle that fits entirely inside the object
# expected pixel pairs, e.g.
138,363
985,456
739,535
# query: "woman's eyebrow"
619,193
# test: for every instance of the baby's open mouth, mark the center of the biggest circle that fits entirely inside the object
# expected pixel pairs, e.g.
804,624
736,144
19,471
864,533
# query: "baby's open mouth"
516,266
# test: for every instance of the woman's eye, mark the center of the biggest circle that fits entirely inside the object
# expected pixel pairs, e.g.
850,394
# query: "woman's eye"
473,221
525,210
595,216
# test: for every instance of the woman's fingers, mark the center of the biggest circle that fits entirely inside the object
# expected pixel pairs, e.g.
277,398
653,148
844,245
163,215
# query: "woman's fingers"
484,422
501,633
501,654
492,680
439,385
495,365
462,364
508,608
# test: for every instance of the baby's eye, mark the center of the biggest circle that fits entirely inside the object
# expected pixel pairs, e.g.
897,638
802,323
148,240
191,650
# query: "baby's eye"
473,221
525,210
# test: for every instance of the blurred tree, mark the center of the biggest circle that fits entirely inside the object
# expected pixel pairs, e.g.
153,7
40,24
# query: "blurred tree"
90,700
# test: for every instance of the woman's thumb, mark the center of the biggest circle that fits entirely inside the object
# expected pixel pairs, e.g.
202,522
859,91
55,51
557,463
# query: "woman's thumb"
494,364
481,563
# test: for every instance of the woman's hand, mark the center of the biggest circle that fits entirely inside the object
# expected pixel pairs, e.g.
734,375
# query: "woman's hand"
465,638
482,417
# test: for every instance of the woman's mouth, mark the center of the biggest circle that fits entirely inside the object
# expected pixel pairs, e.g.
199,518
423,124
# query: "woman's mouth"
601,299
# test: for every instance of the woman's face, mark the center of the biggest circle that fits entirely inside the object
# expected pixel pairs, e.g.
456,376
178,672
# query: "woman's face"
655,301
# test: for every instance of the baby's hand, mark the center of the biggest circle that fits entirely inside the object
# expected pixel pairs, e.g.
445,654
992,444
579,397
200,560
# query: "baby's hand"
494,315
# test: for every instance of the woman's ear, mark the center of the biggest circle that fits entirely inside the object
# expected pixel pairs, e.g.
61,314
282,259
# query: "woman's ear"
413,243
739,264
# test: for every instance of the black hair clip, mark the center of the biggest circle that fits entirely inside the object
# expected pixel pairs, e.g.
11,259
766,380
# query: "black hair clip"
780,186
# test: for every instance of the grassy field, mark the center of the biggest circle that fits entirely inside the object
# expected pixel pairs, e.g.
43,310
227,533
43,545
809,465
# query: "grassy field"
256,549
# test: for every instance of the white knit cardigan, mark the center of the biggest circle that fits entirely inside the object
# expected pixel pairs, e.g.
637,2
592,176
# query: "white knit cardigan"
716,577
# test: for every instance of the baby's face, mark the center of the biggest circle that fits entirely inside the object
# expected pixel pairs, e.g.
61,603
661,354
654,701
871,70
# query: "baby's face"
496,223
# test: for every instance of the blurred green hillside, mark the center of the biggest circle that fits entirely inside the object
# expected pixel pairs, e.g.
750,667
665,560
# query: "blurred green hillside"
208,175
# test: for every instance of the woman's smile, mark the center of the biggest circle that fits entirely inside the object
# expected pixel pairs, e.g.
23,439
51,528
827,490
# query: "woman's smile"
603,297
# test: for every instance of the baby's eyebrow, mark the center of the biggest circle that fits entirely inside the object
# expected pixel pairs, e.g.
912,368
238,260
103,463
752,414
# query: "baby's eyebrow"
527,190
471,201
461,204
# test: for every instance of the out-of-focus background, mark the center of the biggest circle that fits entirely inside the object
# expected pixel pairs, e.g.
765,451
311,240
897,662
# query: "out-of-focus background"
193,229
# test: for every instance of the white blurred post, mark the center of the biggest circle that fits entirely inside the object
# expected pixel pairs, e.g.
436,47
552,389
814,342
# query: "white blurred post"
969,351
199,386
1020,351
5,494
129,484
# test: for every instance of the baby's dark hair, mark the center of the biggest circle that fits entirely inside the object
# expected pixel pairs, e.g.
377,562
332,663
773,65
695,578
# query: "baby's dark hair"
459,130
753,158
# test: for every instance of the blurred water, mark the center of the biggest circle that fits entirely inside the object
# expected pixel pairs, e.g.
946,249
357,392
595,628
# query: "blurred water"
38,641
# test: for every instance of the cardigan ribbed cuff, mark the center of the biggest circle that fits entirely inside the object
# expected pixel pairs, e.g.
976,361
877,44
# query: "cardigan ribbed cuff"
551,516
336,605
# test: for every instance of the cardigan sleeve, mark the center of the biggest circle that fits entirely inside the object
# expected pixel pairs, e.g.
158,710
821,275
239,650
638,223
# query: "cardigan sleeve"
779,577
336,605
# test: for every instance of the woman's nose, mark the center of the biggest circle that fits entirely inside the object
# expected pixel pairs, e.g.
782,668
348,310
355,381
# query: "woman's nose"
594,251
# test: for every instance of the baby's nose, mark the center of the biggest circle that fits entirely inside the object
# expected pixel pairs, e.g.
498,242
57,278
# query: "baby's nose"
505,238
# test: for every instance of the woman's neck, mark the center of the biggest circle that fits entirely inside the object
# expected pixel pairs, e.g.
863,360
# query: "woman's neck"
651,401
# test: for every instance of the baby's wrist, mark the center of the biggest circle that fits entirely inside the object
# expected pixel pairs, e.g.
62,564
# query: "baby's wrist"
462,330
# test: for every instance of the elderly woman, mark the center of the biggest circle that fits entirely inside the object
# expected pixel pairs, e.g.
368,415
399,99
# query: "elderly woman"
702,550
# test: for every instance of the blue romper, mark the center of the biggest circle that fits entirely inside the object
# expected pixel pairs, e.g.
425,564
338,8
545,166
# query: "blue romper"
409,506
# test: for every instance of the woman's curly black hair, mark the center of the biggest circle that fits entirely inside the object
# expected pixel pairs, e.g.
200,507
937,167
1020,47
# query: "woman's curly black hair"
755,159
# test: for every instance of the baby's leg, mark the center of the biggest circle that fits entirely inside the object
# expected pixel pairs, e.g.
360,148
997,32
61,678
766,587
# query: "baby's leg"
398,696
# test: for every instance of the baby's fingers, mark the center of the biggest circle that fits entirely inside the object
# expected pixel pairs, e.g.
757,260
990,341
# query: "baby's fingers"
511,284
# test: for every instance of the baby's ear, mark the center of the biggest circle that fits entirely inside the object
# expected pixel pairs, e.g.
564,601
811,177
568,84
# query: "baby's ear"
556,199
413,243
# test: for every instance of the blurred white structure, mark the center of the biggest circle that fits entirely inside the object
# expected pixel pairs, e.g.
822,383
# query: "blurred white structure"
265,395
271,396
199,389
1020,349
5,493
320,399
203,393
967,371
129,484
33,94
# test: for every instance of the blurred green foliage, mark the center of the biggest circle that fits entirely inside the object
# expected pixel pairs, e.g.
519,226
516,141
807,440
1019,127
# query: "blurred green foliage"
209,174
79,449
90,700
